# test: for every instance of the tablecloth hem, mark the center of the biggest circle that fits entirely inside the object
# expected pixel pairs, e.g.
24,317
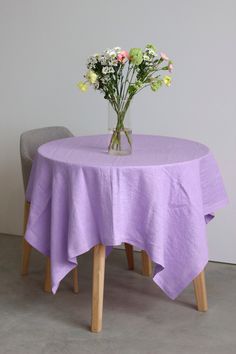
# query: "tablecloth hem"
71,262
62,275
174,294
212,208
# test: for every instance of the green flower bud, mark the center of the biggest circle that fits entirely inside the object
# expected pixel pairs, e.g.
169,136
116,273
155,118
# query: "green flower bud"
132,89
136,56
155,85
138,84
151,46
135,87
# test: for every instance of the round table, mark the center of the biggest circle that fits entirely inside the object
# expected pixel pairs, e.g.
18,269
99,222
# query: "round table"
157,199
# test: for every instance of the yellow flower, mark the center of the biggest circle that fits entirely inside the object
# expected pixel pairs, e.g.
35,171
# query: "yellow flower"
91,76
83,86
167,80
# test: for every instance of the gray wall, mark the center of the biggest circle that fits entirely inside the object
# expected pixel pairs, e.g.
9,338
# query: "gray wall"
44,45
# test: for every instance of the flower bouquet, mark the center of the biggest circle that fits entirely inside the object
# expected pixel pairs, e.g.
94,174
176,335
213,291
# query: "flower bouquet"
119,75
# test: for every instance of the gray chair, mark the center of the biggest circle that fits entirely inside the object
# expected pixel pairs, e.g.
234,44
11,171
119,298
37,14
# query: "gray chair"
29,143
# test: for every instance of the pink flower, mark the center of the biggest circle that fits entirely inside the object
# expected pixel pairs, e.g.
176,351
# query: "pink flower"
164,56
123,56
170,67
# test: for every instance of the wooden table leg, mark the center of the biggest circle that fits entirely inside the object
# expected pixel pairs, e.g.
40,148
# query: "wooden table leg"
75,280
129,255
98,287
26,246
47,282
200,292
25,257
146,264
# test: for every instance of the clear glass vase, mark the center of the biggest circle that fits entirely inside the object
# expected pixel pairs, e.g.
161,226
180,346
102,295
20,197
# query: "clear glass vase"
119,126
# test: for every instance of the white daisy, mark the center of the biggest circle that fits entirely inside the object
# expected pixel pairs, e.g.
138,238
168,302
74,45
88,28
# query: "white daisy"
105,70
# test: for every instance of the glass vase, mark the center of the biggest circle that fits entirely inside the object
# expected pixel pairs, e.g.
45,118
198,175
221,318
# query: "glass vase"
119,126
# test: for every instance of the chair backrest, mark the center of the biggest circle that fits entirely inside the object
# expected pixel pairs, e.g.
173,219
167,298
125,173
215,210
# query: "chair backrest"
31,140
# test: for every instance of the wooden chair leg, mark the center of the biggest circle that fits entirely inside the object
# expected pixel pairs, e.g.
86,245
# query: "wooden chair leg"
129,255
98,287
47,281
26,258
75,280
200,292
26,251
146,264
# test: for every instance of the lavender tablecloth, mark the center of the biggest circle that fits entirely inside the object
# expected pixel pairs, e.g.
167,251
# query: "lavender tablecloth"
158,199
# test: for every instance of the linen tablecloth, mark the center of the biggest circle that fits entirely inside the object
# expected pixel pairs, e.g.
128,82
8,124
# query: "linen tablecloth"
158,199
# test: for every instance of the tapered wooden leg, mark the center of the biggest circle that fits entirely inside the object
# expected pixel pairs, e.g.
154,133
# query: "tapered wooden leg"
26,258
200,292
47,281
129,255
75,280
98,287
146,264
26,251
